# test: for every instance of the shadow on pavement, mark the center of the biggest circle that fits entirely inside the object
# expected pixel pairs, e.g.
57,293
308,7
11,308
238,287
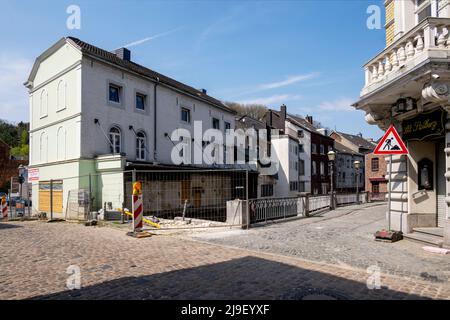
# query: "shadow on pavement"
243,278
8,226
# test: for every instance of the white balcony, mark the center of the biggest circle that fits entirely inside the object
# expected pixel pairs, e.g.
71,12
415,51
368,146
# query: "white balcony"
429,41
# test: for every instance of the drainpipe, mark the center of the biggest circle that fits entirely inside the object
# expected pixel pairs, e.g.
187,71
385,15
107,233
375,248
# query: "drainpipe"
155,120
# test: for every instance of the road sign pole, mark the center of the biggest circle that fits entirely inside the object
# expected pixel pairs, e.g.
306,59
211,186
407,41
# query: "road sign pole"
389,189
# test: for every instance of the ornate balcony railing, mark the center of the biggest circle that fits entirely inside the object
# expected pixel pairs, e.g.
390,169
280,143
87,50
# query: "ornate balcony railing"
429,39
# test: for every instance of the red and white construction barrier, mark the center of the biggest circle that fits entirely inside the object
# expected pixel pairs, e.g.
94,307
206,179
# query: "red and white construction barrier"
4,207
137,208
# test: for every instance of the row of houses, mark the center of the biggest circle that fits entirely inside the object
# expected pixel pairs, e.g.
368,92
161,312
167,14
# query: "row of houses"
96,116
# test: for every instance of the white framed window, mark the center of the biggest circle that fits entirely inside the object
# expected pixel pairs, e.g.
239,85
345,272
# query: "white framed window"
61,102
141,101
141,148
216,123
43,147
61,144
426,8
186,115
322,168
115,137
114,93
43,104
322,149
314,168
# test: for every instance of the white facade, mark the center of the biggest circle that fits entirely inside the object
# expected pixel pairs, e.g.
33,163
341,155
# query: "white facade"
71,116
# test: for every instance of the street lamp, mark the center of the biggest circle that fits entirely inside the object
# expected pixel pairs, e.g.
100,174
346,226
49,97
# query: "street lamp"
357,165
331,157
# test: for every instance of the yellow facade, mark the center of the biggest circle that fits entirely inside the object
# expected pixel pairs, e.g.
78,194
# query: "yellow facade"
390,23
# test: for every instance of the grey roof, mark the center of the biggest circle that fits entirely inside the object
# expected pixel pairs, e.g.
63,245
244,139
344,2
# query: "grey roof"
302,122
340,148
245,122
110,57
358,140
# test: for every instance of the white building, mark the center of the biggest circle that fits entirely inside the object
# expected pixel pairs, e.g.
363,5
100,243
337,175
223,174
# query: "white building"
407,84
94,112
292,148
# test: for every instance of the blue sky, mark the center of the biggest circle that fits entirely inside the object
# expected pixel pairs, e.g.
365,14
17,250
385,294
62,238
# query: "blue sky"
305,54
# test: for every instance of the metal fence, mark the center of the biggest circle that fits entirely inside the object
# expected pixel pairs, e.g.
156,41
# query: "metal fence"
272,209
197,195
263,210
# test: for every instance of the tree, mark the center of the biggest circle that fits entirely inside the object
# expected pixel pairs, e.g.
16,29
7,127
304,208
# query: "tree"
256,111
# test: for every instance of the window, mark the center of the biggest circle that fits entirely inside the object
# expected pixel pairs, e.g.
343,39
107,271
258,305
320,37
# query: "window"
425,8
313,148
216,123
300,133
296,165
43,147
115,138
301,149
140,101
114,93
141,149
266,190
61,144
330,148
322,168
314,168
301,186
322,149
375,163
43,107
301,167
293,185
227,126
296,149
376,188
61,96
185,115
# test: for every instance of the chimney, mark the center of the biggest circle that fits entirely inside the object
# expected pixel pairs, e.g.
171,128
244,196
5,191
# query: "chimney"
309,119
283,113
123,53
204,91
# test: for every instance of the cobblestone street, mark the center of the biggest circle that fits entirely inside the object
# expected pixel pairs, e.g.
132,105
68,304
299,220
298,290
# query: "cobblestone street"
35,257
343,237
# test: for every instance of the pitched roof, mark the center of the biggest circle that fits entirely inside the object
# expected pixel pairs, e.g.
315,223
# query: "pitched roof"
302,122
358,140
340,148
249,122
111,57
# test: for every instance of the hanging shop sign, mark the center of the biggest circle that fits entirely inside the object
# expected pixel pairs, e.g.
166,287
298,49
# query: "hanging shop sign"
425,126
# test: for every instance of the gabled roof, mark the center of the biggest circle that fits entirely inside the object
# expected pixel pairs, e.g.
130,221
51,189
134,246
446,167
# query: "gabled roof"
357,140
302,122
249,122
110,57
340,148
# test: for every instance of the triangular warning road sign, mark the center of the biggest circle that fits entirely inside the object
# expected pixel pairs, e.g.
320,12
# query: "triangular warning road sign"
391,143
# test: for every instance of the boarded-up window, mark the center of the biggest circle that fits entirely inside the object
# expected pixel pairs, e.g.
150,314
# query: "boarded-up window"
44,196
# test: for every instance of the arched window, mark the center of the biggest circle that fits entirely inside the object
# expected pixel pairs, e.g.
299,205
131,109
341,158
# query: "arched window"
61,95
115,137
43,147
61,144
43,107
141,144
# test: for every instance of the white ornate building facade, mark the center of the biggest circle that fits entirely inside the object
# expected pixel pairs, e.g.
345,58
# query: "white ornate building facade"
407,84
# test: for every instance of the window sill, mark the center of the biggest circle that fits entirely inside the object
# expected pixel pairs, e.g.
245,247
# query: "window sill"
61,109
43,116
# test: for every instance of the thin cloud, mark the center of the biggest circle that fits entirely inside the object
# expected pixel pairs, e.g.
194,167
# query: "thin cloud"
288,81
341,104
159,35
13,95
279,98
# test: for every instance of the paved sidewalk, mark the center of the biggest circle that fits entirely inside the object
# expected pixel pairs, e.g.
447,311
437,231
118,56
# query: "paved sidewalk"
35,257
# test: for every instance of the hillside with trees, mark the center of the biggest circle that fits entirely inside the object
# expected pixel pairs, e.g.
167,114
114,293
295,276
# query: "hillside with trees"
16,136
